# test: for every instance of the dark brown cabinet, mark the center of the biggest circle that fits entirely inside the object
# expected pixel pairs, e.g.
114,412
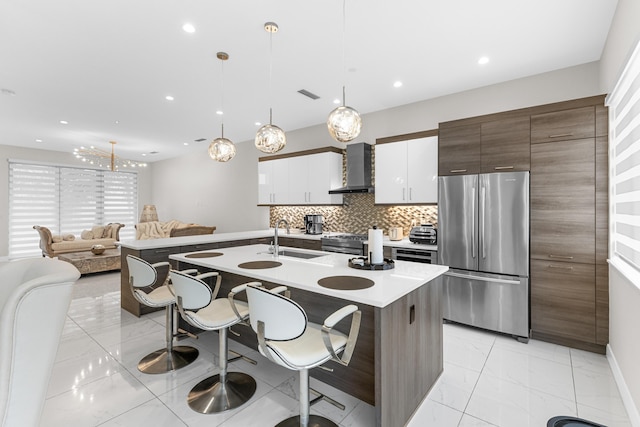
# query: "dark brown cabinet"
459,150
505,145
569,227
494,145
565,125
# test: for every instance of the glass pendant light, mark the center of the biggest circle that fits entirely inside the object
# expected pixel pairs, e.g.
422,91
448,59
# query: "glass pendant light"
222,149
270,138
344,123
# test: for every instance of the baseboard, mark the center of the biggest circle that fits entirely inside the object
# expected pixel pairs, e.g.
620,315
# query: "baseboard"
632,410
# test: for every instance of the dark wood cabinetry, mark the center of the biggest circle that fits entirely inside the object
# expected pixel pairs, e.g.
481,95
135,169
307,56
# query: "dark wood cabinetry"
569,229
565,125
505,145
459,150
493,145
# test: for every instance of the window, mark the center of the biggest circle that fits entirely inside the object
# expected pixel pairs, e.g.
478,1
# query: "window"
624,155
66,200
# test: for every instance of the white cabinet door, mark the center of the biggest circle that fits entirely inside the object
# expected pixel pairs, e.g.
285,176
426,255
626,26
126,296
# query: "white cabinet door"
422,170
265,183
280,175
298,180
324,173
391,173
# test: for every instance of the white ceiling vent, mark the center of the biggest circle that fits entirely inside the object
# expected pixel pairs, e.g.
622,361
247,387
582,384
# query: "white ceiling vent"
308,94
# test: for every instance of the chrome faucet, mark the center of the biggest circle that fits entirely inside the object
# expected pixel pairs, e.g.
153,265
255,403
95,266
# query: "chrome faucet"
276,248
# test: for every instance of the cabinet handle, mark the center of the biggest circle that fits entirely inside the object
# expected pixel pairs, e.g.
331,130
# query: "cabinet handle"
403,193
501,168
559,267
309,196
457,170
161,251
410,193
560,135
560,257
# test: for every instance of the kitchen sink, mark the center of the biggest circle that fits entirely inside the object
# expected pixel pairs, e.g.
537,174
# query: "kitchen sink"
295,254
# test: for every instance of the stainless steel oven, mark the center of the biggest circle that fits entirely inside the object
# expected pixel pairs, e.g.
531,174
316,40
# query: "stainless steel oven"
344,243
415,255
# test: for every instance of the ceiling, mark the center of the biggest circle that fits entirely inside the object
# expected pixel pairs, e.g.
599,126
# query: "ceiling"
106,67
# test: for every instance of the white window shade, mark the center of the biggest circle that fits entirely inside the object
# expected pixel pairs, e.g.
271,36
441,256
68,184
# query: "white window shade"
624,155
66,200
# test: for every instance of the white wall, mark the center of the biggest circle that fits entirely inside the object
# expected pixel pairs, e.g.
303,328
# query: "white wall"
57,157
624,295
196,189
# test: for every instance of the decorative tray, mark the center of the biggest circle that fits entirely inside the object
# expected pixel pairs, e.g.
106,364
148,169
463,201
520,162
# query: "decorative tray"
361,263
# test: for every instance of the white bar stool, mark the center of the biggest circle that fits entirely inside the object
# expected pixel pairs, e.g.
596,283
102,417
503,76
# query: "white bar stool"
199,307
286,337
142,275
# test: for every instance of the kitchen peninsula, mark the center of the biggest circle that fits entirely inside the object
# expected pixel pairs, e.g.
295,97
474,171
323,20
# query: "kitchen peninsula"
398,356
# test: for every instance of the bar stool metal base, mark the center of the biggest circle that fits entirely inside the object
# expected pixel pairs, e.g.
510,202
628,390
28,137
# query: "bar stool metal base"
211,396
314,421
163,361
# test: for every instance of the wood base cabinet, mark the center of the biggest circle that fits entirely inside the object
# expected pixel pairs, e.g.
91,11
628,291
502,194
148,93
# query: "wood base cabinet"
563,294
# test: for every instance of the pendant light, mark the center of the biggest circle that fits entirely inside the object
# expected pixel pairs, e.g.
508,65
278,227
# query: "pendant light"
270,138
222,149
344,123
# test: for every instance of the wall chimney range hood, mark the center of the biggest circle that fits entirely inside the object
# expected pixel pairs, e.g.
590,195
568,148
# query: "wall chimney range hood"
358,170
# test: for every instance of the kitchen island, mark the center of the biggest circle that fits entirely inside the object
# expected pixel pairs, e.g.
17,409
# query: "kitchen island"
398,356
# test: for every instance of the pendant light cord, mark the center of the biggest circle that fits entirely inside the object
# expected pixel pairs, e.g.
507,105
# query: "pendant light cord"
270,77
344,55
222,97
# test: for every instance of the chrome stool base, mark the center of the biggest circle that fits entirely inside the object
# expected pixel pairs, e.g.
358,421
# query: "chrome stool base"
211,396
163,361
314,421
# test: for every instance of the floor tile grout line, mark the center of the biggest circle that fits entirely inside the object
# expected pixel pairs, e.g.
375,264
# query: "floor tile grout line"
477,381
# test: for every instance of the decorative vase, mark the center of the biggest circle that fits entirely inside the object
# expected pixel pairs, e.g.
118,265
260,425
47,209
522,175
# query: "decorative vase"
97,249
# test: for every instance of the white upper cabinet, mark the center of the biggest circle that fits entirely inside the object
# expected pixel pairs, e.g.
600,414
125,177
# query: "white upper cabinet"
273,182
407,171
300,180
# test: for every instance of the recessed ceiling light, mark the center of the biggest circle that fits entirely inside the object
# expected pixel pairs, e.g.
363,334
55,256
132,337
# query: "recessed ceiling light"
189,28
64,122
144,154
336,101
117,122
397,84
219,112
169,98
483,60
185,143
38,140
258,124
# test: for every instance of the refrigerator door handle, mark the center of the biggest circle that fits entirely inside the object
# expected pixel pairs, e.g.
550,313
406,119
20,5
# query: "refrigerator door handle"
482,279
473,223
483,200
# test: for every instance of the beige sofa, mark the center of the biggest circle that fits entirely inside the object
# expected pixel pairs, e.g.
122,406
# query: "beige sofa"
53,246
173,228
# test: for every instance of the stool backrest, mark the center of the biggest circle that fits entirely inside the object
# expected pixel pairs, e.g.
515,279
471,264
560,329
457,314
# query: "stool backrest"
141,273
194,292
283,318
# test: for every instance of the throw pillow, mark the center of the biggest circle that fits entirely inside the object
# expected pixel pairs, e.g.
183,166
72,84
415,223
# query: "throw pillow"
86,235
68,237
97,232
56,239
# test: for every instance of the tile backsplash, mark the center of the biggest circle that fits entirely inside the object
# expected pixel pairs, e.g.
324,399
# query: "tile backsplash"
357,215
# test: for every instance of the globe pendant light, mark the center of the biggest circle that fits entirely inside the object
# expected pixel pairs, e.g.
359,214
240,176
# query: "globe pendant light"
344,123
222,149
270,138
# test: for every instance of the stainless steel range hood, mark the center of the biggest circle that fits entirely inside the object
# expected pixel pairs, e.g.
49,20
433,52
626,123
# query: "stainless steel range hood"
358,170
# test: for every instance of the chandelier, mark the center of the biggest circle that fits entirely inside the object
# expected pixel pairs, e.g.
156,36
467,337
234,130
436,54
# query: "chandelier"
270,138
344,123
222,149
103,159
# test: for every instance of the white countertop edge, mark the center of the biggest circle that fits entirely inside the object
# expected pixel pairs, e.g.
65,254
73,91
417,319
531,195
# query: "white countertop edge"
242,235
303,274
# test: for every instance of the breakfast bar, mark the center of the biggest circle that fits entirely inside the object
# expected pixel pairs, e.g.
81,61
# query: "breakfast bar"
398,356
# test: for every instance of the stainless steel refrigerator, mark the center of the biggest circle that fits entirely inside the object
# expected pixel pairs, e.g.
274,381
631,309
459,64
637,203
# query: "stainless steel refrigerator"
483,236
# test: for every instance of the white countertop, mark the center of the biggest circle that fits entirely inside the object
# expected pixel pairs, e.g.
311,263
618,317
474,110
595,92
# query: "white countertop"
242,235
305,273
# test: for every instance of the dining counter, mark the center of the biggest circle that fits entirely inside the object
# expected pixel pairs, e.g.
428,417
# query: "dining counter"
398,356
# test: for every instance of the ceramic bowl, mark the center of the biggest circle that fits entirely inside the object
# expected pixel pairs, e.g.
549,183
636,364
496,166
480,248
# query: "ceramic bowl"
97,249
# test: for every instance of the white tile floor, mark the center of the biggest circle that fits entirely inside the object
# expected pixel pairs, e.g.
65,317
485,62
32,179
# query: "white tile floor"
489,380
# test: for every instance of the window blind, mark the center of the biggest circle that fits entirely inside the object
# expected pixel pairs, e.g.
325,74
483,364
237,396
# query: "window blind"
66,200
624,156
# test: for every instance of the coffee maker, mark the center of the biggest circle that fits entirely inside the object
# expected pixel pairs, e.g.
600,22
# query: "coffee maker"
313,224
